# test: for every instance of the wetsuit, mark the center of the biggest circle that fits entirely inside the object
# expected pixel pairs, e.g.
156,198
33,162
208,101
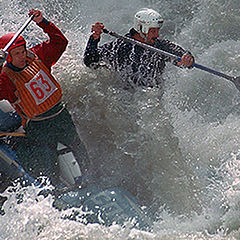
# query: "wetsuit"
9,121
135,65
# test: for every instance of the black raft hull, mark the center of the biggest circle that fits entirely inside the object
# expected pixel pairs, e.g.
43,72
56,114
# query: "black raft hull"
91,204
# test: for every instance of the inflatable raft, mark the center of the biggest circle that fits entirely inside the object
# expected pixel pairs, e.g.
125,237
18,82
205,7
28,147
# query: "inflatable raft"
101,205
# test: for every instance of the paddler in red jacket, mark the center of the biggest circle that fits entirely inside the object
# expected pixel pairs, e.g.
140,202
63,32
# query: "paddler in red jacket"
27,83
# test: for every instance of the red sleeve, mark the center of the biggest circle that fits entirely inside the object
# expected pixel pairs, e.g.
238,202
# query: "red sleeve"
7,88
52,49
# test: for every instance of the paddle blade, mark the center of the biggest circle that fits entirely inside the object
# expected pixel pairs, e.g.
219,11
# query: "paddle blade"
236,81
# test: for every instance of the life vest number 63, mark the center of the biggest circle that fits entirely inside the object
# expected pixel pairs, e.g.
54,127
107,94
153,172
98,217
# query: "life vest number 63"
41,87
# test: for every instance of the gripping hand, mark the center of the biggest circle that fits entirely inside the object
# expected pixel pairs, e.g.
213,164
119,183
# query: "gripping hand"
97,30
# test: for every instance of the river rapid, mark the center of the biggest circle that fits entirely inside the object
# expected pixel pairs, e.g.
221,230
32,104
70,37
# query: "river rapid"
176,150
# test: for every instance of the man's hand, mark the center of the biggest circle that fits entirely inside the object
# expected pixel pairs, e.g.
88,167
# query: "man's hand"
3,56
97,30
187,60
38,15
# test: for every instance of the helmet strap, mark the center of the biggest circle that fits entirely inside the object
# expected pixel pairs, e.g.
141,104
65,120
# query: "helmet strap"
143,36
9,58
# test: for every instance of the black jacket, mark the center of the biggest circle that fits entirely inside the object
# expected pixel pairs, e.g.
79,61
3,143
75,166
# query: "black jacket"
135,65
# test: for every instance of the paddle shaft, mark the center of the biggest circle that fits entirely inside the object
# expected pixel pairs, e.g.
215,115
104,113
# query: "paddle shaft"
18,167
172,56
18,33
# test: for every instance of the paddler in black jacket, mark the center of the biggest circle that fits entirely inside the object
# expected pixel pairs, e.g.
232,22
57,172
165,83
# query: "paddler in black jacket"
135,65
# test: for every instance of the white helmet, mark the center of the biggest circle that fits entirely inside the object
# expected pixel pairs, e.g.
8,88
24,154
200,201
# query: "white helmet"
147,18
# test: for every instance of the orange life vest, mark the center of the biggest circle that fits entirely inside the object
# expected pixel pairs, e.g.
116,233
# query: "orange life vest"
36,89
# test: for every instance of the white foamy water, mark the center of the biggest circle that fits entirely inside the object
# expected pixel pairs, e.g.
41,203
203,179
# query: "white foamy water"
179,152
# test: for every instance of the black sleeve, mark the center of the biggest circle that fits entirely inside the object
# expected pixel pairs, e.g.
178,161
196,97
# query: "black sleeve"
171,47
109,53
91,54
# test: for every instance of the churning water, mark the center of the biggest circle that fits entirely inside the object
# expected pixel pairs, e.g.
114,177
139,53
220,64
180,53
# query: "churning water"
178,152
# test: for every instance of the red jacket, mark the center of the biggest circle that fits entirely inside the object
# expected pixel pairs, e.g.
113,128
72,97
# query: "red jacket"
49,52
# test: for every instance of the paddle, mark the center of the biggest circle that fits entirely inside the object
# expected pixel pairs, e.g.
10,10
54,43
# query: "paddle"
235,80
18,33
8,157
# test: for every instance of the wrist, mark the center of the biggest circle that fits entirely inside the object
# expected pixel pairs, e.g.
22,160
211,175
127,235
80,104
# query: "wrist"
96,36
43,23
95,39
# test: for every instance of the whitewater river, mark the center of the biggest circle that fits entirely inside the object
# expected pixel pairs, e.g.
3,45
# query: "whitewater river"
178,151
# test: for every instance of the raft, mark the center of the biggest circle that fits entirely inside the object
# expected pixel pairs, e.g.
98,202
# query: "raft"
91,203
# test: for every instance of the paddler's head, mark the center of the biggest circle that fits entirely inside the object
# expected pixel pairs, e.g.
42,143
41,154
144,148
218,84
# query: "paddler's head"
17,51
147,23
